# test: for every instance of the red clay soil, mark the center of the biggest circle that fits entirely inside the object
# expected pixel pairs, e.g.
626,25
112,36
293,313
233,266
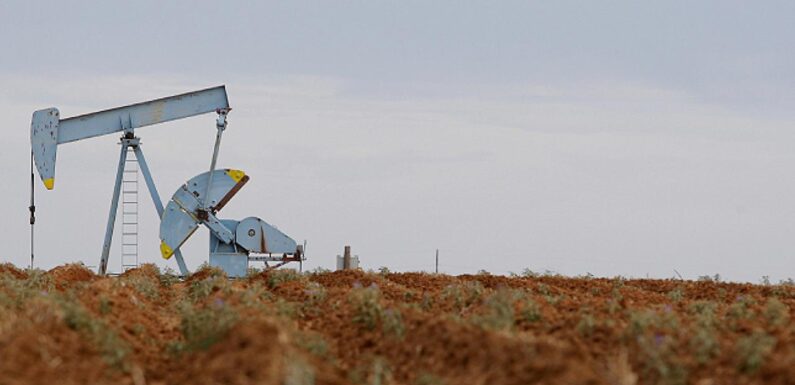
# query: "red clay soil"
7,268
353,327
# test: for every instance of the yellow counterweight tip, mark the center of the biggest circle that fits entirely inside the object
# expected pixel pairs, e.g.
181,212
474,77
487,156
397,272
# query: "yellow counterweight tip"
165,250
49,183
236,175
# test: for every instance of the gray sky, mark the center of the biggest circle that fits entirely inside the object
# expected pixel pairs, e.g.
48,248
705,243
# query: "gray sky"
604,137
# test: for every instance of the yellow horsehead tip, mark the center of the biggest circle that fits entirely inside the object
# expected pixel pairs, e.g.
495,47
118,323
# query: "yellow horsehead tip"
236,175
49,183
165,250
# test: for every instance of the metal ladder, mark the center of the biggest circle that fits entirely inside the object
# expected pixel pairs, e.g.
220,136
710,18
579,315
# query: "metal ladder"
129,207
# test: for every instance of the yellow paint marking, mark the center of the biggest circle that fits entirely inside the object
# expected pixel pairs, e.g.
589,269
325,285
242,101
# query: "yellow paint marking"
49,183
166,250
236,175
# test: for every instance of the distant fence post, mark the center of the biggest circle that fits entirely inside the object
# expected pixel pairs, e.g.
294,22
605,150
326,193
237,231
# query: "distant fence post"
437,261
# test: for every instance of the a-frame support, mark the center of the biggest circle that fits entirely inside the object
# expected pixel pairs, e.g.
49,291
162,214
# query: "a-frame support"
129,140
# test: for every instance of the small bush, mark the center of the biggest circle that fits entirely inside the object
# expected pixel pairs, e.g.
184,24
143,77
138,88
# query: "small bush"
392,323
752,351
676,295
114,350
367,306
463,295
776,312
530,311
704,344
204,326
201,289
499,312
280,276
587,325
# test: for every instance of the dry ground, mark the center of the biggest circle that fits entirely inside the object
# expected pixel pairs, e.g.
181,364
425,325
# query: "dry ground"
69,326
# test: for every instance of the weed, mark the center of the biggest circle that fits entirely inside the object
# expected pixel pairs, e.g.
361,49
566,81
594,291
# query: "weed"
752,350
255,295
530,311
463,295
299,372
19,291
315,296
426,378
104,305
280,276
204,326
144,285
587,325
427,302
499,313
676,295
741,309
708,278
367,306
313,343
200,290
287,309
392,323
114,350
527,273
776,312
138,329
704,344
168,277
661,361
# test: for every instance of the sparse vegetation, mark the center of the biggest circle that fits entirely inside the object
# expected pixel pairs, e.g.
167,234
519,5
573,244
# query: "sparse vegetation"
386,328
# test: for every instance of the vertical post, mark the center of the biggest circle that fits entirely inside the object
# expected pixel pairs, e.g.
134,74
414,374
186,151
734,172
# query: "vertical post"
32,209
150,184
437,261
114,205
346,259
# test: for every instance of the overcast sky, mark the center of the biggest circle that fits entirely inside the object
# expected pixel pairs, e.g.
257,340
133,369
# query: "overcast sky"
612,138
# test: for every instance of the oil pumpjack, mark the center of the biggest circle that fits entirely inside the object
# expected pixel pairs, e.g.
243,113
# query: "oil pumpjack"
233,243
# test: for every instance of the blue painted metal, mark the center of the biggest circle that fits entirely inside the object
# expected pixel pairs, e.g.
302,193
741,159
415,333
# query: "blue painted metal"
228,256
150,184
181,218
47,131
257,236
232,243
114,207
44,142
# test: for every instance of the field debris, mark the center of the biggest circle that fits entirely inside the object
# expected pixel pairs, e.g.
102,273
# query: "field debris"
70,326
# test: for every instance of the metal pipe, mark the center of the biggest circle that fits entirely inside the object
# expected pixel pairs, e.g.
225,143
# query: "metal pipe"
220,125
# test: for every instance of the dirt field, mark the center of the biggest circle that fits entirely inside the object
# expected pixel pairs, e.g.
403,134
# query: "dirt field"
69,326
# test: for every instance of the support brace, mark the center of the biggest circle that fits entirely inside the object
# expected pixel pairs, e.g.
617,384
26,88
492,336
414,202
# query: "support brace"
127,141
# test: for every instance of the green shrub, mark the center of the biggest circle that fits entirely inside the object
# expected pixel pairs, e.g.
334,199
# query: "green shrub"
463,295
499,312
530,311
676,295
100,334
366,304
587,325
280,276
753,350
204,326
776,312
392,323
